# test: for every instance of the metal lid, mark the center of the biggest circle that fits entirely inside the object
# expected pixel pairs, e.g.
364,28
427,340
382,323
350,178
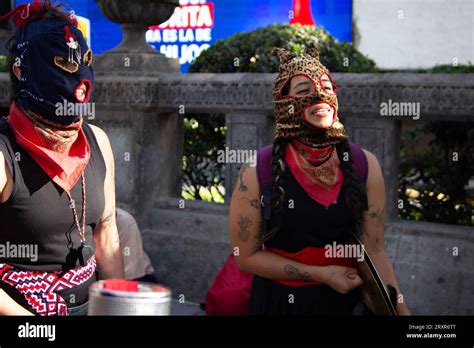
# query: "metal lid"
143,290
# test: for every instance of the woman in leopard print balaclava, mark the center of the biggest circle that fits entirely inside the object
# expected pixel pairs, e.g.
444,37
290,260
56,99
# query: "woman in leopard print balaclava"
314,190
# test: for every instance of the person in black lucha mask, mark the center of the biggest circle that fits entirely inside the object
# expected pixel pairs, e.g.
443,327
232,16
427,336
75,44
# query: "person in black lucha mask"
57,191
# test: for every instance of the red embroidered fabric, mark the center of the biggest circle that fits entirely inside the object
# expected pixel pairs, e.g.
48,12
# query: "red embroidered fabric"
316,170
64,169
40,289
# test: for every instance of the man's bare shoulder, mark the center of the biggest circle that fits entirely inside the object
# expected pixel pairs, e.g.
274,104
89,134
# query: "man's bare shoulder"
104,143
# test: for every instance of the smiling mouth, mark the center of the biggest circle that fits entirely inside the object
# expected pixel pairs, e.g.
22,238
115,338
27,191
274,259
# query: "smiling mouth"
321,110
81,92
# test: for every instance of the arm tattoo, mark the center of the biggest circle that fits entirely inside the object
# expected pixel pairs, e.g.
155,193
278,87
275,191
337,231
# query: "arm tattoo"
258,241
244,223
107,221
254,203
377,217
295,273
255,248
242,186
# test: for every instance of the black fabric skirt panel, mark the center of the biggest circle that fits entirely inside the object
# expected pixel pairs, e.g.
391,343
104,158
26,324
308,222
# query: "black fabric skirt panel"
305,223
268,297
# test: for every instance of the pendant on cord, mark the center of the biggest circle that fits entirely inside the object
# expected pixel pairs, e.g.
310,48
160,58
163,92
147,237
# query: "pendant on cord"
85,253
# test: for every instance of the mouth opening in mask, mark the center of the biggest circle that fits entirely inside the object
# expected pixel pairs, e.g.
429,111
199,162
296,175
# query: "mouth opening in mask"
83,91
319,115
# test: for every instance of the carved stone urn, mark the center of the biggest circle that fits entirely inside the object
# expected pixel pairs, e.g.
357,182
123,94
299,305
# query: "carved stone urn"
134,54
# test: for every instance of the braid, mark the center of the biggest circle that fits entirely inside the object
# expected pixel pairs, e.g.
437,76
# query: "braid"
354,188
277,193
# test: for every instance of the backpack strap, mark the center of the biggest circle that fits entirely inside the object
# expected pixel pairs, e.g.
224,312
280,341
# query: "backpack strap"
264,166
264,178
359,160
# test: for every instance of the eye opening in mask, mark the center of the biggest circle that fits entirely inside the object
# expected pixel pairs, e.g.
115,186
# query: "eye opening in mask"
88,57
325,84
286,87
66,65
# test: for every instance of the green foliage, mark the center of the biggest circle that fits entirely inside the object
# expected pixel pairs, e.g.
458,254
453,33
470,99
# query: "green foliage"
451,69
253,51
203,176
3,62
437,69
439,198
439,175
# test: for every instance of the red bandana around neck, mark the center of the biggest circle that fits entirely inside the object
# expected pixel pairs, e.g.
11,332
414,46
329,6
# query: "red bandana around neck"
316,170
64,168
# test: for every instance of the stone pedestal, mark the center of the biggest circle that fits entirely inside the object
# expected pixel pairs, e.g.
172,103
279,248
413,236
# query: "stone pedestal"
4,36
382,138
147,143
134,64
134,56
245,131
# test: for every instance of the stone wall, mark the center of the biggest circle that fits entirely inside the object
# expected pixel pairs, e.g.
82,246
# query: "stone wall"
188,246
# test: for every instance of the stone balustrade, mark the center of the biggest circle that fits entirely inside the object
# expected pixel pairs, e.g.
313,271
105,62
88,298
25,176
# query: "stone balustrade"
143,118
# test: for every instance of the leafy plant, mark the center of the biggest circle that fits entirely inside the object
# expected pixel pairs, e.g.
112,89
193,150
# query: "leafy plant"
432,183
452,69
203,175
249,52
253,51
3,62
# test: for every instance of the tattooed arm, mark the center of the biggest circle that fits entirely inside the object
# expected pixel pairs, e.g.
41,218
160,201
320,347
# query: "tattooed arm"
373,226
246,239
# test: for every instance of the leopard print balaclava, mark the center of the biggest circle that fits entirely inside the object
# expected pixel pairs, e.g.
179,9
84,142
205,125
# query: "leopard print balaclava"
289,110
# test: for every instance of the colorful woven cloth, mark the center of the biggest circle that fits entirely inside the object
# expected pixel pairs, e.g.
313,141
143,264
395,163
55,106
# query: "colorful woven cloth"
40,289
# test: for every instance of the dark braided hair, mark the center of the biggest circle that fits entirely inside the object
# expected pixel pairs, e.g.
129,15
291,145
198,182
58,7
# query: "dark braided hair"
277,192
352,185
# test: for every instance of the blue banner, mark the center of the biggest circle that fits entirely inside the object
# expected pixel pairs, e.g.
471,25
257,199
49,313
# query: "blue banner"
196,24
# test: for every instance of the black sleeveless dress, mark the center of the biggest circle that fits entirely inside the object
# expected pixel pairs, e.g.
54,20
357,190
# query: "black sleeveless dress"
38,211
306,224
